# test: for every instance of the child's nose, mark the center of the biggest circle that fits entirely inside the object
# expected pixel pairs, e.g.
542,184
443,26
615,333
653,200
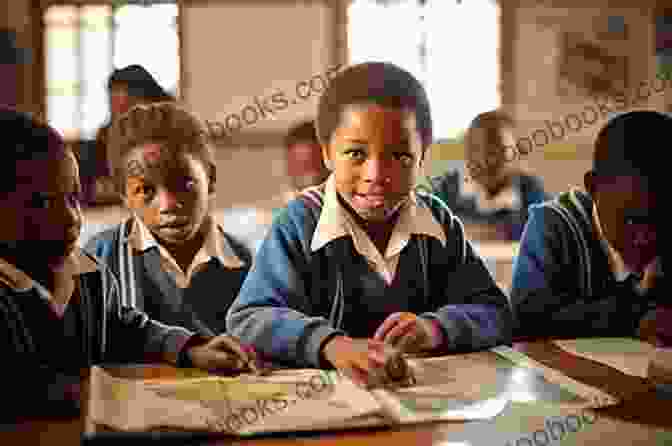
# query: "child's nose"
167,200
376,170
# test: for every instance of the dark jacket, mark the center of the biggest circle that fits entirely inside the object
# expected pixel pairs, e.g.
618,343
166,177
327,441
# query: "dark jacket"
108,333
563,285
295,299
529,188
145,285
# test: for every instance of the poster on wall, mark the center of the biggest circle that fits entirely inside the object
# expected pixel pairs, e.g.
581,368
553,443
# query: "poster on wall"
589,68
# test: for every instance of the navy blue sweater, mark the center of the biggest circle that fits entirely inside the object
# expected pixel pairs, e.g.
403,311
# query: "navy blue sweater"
562,283
294,300
201,307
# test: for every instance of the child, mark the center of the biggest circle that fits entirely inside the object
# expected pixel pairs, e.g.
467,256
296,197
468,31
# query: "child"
59,309
360,263
588,262
305,166
173,260
126,87
498,192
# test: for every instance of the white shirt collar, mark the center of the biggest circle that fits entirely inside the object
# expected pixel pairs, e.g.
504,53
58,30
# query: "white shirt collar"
214,245
335,222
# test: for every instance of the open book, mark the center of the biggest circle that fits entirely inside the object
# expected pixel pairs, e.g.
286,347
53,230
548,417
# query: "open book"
475,386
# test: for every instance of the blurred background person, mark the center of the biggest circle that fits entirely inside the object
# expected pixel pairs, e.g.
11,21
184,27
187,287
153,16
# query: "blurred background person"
496,191
126,87
305,166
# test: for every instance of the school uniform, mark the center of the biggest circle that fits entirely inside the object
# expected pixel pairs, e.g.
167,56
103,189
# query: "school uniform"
152,281
568,281
317,275
508,209
45,344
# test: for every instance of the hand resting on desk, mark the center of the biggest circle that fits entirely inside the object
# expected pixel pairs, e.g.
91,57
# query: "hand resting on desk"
409,333
367,362
223,352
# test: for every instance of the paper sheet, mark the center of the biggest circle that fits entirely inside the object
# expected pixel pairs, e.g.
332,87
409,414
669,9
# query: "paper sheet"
465,387
630,356
294,400
286,401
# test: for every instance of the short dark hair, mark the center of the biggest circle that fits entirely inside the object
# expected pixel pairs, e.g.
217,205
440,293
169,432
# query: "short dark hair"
25,138
165,123
489,122
381,83
139,83
621,152
304,131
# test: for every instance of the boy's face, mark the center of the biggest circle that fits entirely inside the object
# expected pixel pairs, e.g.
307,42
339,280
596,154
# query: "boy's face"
376,154
45,218
486,155
627,213
168,191
120,102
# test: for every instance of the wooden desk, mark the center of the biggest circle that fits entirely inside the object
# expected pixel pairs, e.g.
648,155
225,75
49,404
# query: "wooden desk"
643,418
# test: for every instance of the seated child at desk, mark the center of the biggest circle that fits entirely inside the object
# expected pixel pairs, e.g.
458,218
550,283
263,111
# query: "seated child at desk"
361,265
588,263
59,309
496,192
173,261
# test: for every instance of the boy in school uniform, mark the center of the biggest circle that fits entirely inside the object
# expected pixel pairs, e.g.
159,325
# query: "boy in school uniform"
589,262
59,308
495,191
173,260
361,268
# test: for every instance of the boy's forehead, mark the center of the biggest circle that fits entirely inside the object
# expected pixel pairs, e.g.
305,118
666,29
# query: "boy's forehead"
154,155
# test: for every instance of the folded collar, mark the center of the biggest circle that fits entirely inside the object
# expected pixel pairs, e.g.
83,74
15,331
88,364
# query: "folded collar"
336,222
215,244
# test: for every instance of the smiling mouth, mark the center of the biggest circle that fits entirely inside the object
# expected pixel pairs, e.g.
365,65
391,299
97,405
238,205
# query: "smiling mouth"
371,200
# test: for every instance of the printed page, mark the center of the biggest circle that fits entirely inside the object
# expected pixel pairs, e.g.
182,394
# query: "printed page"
285,401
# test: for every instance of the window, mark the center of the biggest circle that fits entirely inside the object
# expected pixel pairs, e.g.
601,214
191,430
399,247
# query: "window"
85,43
452,47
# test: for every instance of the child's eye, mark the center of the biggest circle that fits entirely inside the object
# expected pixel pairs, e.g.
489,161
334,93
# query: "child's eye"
355,154
148,190
74,199
188,184
405,158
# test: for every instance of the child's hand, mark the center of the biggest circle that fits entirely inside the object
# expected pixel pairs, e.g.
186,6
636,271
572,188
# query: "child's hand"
409,333
223,352
366,362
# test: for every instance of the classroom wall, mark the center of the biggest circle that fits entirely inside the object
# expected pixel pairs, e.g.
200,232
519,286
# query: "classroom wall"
264,48
536,91
280,42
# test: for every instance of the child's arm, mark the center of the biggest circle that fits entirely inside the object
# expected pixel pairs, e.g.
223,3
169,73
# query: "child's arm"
270,311
546,296
478,315
43,389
